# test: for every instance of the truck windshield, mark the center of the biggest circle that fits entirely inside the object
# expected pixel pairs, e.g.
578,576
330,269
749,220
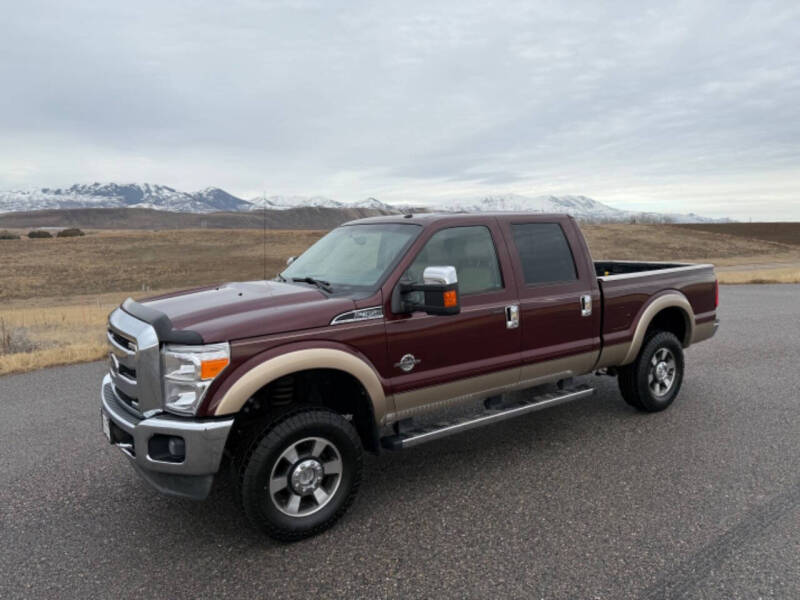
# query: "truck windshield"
353,256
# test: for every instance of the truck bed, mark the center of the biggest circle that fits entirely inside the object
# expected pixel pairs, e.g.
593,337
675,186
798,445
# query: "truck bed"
627,286
610,268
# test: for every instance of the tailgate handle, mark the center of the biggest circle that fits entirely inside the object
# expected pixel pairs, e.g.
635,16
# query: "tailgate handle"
586,305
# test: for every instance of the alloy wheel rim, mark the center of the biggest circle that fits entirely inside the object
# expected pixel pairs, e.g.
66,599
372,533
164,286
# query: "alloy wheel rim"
305,477
662,372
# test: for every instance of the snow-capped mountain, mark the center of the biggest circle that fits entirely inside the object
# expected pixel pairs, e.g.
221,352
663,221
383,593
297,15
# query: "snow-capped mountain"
285,202
375,204
578,206
162,197
113,195
221,200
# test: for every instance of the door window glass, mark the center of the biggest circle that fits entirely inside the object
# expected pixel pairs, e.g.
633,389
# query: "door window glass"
544,253
470,250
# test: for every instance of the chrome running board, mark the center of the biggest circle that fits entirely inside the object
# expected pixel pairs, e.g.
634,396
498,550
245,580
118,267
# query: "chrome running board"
487,416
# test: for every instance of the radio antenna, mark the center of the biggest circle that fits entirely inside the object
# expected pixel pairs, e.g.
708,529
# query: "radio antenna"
264,214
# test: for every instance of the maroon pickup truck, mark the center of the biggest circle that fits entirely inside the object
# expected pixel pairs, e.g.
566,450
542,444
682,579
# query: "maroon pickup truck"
287,381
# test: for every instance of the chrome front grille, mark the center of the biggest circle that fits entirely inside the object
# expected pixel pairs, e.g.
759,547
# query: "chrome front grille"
122,368
121,342
134,362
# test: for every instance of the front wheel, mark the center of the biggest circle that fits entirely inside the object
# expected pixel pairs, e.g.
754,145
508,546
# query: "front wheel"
302,475
652,381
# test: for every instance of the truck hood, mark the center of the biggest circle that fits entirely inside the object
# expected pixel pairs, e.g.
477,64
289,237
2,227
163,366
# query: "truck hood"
250,309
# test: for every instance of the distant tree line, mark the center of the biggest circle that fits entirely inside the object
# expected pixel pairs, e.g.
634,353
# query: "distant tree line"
42,233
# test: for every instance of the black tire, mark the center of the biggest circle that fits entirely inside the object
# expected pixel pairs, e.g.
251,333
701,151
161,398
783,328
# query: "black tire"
240,446
278,513
640,382
239,451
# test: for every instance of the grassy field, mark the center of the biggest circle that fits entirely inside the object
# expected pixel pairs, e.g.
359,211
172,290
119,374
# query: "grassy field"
785,233
33,337
55,294
111,261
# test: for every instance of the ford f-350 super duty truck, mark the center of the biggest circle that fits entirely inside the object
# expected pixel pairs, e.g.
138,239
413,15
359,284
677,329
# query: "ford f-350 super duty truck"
286,382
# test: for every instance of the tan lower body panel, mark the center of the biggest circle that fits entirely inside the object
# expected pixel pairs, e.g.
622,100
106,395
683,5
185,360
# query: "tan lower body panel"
553,370
612,356
436,397
703,331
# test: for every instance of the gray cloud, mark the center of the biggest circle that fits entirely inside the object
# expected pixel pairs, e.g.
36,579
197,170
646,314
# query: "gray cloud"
688,106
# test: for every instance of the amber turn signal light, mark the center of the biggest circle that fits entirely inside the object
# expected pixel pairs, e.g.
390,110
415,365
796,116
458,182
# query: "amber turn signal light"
450,299
211,368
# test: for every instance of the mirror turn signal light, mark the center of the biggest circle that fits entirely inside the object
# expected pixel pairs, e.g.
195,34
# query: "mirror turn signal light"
450,299
211,368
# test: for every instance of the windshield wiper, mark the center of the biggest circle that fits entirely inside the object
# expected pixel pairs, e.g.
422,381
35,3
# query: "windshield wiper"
323,285
280,277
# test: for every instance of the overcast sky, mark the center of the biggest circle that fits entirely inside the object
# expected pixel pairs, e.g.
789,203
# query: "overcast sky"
658,106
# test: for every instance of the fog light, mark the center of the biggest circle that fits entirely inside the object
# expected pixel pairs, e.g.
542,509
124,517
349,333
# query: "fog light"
167,448
177,447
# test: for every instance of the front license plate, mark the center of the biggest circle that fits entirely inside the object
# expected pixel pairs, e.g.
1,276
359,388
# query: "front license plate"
106,426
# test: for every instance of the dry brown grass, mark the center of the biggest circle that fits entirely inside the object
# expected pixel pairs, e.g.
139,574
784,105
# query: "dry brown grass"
672,242
141,260
70,354
785,233
777,275
55,294
738,258
41,337
44,323
45,332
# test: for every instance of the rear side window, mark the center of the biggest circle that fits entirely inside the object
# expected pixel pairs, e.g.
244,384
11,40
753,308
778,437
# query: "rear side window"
544,253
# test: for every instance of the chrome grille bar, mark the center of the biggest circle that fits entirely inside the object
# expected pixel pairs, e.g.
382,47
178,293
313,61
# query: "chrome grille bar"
135,362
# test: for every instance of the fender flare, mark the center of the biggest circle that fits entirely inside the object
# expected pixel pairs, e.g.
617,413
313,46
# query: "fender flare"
672,299
305,359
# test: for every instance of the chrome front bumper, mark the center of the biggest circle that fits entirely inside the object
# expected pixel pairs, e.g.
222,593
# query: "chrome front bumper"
204,443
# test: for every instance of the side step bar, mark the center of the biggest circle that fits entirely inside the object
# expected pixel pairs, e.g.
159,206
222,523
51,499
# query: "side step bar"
415,437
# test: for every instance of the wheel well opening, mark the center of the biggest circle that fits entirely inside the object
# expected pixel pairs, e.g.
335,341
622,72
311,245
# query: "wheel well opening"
336,390
674,320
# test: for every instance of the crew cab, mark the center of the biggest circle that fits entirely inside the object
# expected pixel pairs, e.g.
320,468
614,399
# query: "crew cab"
284,383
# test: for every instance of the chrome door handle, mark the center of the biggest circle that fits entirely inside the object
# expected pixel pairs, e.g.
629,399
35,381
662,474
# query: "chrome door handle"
512,316
586,305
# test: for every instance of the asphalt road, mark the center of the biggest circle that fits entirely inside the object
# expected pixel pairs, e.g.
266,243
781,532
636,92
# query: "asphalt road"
587,500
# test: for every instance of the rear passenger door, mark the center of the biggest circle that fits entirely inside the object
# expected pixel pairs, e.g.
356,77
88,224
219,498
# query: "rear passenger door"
456,355
558,295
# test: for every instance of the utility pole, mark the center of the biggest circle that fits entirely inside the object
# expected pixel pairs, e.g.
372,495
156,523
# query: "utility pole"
264,214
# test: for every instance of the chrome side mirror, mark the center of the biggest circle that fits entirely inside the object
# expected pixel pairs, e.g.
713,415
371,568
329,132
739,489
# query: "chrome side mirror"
439,290
290,260
439,276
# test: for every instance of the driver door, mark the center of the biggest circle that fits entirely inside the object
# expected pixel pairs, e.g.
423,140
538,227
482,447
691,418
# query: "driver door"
434,359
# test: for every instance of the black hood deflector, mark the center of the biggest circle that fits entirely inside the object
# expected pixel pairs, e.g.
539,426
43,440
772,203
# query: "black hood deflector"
161,323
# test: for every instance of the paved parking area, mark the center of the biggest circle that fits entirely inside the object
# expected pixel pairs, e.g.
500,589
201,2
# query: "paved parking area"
587,500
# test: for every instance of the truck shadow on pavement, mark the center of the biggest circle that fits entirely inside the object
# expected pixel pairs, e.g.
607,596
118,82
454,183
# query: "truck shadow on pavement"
424,478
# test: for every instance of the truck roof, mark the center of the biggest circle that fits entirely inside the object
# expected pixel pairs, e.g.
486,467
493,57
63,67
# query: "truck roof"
426,219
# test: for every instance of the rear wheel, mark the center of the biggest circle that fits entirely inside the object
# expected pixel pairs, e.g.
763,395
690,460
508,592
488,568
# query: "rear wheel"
301,475
652,382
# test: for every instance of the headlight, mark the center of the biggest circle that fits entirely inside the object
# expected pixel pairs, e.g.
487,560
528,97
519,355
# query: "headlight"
188,371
